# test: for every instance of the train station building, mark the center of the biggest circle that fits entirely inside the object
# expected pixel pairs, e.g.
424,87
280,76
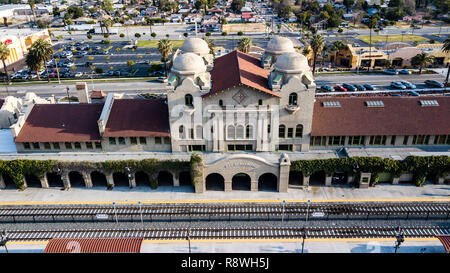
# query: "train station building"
248,117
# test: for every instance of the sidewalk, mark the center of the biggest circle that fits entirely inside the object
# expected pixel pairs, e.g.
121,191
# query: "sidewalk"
169,194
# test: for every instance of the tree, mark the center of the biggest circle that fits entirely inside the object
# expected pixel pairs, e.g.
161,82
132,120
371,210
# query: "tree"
89,36
446,49
56,11
42,51
421,60
165,49
198,5
337,45
348,4
107,23
33,63
4,54
372,23
130,64
32,7
236,5
317,43
245,44
75,11
107,6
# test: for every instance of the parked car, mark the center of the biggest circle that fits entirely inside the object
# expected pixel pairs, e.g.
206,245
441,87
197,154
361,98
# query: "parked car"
433,83
397,85
404,71
78,74
368,86
117,73
162,79
413,93
408,84
390,72
349,87
339,88
326,88
110,73
360,87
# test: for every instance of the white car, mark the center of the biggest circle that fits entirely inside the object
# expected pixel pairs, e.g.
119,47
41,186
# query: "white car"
78,74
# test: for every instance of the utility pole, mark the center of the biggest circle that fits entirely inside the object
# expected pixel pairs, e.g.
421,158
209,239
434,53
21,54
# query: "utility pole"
57,71
67,90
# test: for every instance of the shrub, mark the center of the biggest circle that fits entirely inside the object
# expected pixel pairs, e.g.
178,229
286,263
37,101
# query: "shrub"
208,34
240,33
106,35
98,70
137,35
121,35
106,42
224,33
185,34
89,36
153,34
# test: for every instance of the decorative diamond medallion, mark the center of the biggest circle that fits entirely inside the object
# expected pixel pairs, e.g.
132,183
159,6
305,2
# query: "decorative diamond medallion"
239,97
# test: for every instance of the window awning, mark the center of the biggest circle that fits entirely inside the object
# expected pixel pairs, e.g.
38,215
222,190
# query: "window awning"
445,240
95,245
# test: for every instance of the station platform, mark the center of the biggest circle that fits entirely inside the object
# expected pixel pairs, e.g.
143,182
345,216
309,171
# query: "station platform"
185,194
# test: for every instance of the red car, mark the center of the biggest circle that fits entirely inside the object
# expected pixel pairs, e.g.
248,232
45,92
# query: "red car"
340,88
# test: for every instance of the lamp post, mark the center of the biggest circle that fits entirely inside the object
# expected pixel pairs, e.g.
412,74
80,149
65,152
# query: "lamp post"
282,215
140,211
67,90
115,212
400,238
304,227
129,174
3,240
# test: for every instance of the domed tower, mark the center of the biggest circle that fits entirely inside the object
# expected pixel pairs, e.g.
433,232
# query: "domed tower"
275,48
199,47
188,81
292,77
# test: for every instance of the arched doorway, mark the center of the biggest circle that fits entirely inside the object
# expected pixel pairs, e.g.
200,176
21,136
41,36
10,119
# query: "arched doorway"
317,178
76,180
33,181
339,178
241,182
54,180
295,178
165,179
268,182
98,179
121,180
215,182
185,179
142,179
9,183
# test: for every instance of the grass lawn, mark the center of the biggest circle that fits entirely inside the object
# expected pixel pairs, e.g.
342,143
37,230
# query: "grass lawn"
392,38
154,43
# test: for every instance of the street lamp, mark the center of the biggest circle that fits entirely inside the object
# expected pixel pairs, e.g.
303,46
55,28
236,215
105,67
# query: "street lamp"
129,174
3,240
67,90
400,238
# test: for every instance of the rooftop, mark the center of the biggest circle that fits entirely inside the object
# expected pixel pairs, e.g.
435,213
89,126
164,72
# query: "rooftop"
61,123
138,117
397,116
240,69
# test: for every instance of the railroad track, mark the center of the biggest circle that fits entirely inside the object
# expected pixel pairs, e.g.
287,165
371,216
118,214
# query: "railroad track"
385,210
232,233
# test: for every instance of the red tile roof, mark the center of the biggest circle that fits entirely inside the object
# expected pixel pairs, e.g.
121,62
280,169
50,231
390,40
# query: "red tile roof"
237,68
399,116
138,117
95,245
61,123
97,94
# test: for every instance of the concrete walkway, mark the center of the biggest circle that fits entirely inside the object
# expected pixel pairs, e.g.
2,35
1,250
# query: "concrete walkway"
186,194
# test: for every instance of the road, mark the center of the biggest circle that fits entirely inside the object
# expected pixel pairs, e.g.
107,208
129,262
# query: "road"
137,86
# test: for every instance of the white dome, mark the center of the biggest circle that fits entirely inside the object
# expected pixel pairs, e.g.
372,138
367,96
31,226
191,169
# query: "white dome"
280,45
195,45
292,62
188,63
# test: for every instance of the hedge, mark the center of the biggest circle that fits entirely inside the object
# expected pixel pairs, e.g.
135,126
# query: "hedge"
418,166
17,169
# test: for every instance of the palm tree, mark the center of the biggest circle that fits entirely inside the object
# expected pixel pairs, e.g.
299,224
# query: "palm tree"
373,21
32,7
446,49
43,51
245,44
107,23
165,48
317,44
4,54
33,63
421,60
338,45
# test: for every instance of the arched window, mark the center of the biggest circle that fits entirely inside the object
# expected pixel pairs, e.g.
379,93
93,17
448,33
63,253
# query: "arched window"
249,132
240,132
230,132
299,131
259,102
282,131
199,132
220,103
293,99
188,100
181,132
